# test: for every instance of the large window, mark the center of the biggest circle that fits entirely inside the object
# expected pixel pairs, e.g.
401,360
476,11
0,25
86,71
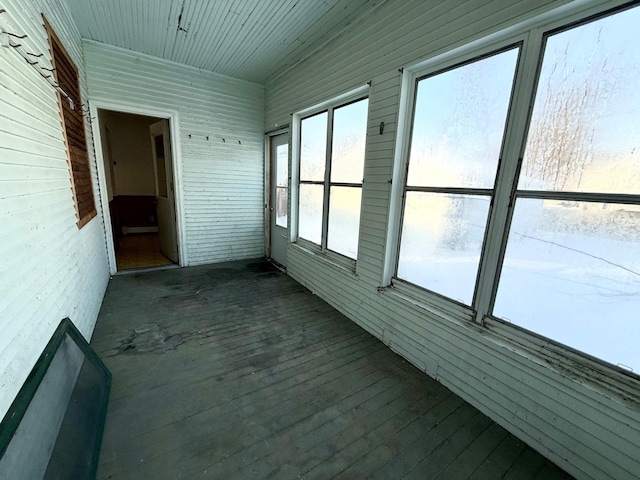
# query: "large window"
555,240
458,126
332,145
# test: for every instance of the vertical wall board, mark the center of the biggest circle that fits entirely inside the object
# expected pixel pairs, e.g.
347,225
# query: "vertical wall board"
591,431
49,269
222,176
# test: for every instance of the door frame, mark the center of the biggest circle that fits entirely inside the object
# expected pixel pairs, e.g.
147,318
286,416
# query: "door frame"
176,154
267,184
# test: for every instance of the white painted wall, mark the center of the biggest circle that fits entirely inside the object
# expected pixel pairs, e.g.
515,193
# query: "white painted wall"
221,180
48,268
588,428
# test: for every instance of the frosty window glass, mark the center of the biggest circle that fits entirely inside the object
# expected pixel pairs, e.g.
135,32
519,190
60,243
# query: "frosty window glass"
310,224
569,269
282,184
344,219
571,265
331,180
313,147
347,169
458,126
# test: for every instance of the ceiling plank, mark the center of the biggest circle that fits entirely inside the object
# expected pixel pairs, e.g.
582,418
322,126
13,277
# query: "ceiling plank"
248,39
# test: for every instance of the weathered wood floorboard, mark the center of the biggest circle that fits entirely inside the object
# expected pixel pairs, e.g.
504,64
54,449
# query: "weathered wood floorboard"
236,371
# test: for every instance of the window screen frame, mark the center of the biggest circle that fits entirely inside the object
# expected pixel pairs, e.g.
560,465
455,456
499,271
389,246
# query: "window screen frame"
328,107
70,115
532,35
457,62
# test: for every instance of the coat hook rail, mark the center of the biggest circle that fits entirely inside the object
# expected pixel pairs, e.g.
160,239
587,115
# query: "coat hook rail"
15,35
7,40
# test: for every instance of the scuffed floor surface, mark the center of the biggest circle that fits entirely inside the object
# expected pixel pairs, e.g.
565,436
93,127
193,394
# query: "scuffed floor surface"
235,371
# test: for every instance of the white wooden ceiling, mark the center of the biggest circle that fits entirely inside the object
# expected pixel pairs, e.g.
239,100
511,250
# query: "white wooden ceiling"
250,39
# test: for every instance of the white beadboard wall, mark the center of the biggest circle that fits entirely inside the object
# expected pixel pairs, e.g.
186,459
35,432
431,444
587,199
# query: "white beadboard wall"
222,180
587,430
48,268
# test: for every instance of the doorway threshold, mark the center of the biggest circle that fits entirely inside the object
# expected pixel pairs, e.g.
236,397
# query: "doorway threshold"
157,268
278,265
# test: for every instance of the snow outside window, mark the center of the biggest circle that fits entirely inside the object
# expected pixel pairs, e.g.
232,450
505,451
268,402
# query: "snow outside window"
458,126
571,270
533,186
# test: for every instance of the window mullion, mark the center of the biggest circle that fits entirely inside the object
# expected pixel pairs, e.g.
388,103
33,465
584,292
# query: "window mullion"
327,180
501,209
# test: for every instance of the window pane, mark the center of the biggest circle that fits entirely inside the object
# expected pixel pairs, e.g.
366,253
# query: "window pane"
310,224
441,242
344,220
313,148
349,138
282,165
572,273
584,133
459,122
281,206
160,166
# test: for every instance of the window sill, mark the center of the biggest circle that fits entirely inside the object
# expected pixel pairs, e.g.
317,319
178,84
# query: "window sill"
608,379
344,264
431,302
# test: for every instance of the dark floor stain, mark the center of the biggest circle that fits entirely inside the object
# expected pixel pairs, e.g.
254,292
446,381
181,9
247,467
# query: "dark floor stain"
149,338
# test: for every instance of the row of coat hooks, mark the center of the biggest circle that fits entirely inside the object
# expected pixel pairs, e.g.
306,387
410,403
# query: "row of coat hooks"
224,140
15,42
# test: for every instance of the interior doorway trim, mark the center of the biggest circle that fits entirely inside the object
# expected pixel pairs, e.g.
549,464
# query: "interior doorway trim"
176,153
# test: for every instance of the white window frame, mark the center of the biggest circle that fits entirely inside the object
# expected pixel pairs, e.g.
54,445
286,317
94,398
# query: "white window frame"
531,36
329,106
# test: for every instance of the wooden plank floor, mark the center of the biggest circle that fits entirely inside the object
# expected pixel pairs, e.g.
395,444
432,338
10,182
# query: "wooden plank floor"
235,371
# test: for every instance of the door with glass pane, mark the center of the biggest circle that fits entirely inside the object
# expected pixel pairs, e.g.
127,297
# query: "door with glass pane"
279,189
165,194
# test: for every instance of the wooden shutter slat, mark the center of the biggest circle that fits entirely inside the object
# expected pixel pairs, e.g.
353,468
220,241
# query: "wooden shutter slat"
66,76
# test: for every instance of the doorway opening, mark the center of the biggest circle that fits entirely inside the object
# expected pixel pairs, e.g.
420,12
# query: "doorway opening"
140,189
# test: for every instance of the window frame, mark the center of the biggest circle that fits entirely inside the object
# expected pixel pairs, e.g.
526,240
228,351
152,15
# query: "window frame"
81,181
456,62
532,35
329,107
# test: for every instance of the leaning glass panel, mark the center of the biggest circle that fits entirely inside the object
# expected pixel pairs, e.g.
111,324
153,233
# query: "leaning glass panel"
310,214
572,273
348,143
584,134
344,220
313,147
441,241
459,122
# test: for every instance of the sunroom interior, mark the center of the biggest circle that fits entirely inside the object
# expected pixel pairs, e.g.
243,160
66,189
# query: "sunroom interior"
461,180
